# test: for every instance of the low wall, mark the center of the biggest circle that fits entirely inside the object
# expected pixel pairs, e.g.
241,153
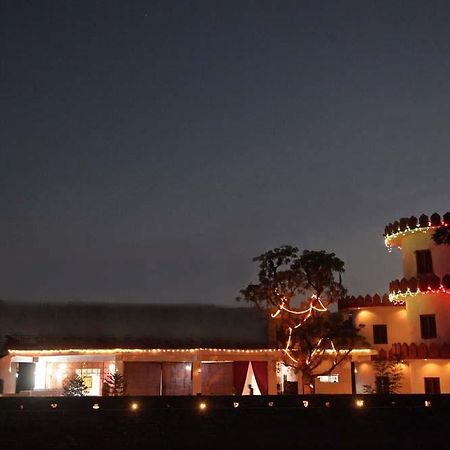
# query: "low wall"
223,402
269,423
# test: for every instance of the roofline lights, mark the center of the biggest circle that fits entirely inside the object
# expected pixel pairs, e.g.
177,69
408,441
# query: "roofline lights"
405,232
395,296
14,352
410,225
138,350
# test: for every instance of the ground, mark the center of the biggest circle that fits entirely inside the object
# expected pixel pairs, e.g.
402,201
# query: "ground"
250,426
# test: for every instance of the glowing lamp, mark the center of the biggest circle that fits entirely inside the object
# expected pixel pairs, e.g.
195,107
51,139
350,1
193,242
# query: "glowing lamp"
202,406
134,406
359,403
427,404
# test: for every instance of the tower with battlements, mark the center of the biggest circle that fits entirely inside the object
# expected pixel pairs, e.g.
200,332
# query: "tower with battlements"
425,286
411,323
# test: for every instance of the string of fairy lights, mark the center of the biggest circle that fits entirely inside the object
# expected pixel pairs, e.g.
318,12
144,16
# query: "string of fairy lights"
418,228
151,351
396,297
401,233
305,315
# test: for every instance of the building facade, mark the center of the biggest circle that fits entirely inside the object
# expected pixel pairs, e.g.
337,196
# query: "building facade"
191,350
412,322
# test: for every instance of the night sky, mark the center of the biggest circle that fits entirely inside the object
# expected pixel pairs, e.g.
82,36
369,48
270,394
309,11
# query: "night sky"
148,150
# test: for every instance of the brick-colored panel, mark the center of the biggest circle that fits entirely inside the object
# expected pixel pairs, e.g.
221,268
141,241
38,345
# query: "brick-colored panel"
217,378
177,378
142,378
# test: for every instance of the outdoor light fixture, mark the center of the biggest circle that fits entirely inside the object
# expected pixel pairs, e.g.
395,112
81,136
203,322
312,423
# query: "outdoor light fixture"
202,406
359,403
427,404
236,404
53,405
95,406
305,403
134,406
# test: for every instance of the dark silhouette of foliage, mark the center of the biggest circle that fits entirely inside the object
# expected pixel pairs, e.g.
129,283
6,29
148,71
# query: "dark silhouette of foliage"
442,235
74,386
115,384
388,377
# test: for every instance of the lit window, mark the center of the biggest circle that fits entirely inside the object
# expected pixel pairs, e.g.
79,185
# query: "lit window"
329,378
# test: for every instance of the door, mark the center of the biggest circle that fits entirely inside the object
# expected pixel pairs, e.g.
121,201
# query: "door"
177,378
217,378
25,377
142,378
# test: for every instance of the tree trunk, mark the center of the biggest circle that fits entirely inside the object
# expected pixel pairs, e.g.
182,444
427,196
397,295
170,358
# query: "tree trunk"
308,383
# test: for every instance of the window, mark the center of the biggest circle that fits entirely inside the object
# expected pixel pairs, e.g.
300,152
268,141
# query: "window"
380,334
329,378
432,385
424,263
428,326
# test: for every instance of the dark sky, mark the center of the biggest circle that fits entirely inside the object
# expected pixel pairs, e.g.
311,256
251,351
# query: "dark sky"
148,150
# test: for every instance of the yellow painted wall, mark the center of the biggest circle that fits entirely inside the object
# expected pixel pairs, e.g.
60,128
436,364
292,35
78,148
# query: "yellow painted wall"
440,254
365,374
344,386
429,368
438,304
392,316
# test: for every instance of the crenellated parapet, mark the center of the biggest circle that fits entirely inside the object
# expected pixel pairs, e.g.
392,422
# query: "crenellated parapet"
366,302
406,351
410,225
422,284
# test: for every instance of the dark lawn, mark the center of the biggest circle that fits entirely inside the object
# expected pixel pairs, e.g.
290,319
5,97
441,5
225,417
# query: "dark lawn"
241,428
